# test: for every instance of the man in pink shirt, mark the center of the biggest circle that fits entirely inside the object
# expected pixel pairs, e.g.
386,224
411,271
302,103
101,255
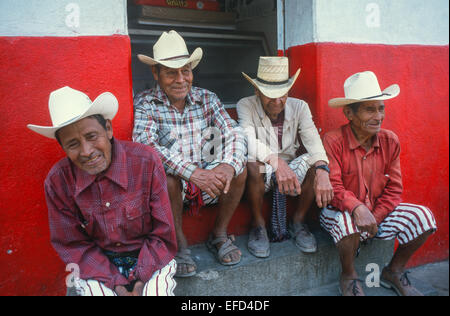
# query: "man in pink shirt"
367,184
108,204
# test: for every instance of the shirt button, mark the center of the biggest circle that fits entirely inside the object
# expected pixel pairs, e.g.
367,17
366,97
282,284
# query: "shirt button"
108,204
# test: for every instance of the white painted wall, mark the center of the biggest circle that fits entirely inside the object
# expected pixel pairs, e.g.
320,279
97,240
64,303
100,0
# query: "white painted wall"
391,22
63,17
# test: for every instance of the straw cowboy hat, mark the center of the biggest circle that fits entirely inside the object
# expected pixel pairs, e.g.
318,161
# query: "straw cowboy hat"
170,50
363,86
67,106
273,77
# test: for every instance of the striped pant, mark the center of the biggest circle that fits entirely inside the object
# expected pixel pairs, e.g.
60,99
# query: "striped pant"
161,283
406,223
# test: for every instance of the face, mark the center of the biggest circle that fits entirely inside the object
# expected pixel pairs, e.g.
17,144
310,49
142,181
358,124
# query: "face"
176,83
367,121
272,107
88,144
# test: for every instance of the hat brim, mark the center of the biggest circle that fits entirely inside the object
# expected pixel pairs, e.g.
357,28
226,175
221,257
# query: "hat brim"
105,104
388,93
273,91
194,60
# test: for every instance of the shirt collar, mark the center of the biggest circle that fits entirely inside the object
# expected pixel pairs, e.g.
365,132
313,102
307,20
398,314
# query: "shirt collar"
117,171
353,142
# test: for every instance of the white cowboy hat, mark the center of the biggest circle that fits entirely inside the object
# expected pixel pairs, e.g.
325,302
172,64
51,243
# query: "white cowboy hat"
273,77
363,86
170,50
67,106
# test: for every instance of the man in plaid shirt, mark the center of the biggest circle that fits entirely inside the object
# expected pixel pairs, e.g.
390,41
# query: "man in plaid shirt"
108,204
202,149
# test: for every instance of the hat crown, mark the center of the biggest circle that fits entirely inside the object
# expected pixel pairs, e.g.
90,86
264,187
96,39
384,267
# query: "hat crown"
66,104
170,45
273,69
362,85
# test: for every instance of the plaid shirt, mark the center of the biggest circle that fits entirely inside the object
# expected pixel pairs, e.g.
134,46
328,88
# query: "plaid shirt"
203,133
125,209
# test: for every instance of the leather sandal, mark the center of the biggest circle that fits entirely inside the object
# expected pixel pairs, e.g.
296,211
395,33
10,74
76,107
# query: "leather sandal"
226,248
183,256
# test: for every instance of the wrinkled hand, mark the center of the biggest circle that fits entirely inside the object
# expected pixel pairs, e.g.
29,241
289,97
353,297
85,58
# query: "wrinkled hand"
226,172
209,181
323,188
286,177
365,221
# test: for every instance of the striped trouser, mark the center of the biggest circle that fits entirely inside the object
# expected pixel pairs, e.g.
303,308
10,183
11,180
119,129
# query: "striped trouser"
161,283
299,165
406,222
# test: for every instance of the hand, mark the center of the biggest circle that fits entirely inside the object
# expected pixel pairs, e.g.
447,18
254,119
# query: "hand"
365,221
122,291
138,288
323,188
226,172
286,177
208,181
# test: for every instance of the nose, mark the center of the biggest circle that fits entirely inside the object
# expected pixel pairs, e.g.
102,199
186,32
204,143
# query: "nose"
179,77
379,115
86,149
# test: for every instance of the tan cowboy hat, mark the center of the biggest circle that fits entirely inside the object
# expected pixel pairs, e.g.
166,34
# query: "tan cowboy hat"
170,50
273,77
363,86
67,106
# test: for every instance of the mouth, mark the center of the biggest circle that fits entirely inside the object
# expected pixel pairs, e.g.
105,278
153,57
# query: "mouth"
96,159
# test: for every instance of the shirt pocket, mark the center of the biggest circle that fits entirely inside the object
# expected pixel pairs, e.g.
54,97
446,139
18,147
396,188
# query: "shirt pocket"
166,137
379,182
138,221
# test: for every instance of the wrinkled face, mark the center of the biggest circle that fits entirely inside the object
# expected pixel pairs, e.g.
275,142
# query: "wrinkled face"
176,83
272,107
88,144
367,120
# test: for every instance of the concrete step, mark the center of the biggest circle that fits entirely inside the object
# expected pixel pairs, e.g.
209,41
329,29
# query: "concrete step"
287,271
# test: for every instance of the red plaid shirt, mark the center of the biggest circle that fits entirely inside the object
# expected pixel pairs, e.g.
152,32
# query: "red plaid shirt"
125,209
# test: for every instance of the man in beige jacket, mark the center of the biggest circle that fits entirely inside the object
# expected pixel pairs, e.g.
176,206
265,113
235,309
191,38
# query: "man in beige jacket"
284,149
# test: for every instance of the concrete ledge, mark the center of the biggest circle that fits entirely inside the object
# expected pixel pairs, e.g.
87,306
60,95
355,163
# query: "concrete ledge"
286,272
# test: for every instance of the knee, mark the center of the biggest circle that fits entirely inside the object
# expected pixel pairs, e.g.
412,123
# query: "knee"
241,178
254,170
173,183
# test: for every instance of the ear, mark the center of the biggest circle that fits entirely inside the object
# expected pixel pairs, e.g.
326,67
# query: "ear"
109,129
155,73
348,112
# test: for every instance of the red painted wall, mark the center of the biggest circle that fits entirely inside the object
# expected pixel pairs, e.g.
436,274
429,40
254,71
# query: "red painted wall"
419,115
30,68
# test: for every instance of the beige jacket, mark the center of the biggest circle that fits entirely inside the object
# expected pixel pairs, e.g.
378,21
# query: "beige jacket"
262,140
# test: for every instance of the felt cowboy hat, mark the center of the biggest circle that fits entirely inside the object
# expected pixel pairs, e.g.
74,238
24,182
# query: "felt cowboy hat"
363,86
67,106
273,77
170,50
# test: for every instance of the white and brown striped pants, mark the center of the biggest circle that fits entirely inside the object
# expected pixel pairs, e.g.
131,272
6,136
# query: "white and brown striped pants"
406,223
161,283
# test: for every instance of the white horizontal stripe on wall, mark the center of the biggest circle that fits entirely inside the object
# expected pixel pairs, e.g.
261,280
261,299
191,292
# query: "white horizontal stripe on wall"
63,17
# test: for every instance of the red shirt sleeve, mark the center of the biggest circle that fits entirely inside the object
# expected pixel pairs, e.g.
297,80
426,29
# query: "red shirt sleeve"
344,200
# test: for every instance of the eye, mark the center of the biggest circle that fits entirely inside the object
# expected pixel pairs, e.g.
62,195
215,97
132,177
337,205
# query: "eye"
91,136
71,145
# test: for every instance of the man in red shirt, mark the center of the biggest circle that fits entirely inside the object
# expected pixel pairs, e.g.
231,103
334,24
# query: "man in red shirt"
108,204
367,184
